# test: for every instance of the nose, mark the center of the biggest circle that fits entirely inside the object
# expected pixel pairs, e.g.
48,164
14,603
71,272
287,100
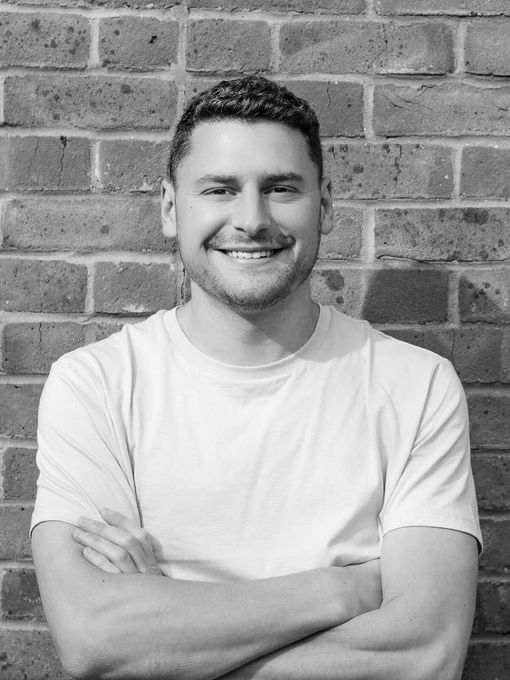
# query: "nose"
250,212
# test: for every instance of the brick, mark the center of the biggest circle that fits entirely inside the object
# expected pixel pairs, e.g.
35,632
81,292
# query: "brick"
477,354
222,45
18,417
339,287
134,288
448,109
487,660
99,330
489,417
44,163
33,347
44,40
84,223
42,286
461,234
368,47
406,296
99,102
492,607
29,655
329,6
137,42
485,172
339,106
446,7
19,473
492,480
20,596
132,165
484,295
486,48
438,340
344,242
362,170
94,4
14,526
496,538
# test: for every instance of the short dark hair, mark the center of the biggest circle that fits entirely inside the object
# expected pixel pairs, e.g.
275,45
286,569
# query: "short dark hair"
251,99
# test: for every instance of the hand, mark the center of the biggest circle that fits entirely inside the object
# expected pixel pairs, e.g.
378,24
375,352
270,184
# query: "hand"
117,545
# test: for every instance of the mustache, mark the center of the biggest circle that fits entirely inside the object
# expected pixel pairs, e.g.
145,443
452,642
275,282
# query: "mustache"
266,242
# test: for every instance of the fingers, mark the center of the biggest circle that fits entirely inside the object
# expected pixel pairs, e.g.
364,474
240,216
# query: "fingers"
142,537
106,547
100,561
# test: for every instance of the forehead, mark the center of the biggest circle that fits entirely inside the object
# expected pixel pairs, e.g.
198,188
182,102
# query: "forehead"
235,146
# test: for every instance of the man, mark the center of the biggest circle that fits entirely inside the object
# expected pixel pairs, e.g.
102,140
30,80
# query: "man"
289,491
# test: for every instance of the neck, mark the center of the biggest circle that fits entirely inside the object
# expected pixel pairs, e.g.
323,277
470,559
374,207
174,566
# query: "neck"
253,338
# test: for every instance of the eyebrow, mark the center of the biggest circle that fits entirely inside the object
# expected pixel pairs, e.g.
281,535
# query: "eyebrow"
266,179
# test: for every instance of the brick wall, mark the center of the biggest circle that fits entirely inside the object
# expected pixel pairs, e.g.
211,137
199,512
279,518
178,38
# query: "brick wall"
414,101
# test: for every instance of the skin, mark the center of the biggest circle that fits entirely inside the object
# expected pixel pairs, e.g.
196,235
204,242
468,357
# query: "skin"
112,613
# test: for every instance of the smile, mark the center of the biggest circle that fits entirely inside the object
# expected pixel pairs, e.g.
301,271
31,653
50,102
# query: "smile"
249,254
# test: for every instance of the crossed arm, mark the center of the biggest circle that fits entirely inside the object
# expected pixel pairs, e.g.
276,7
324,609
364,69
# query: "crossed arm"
324,623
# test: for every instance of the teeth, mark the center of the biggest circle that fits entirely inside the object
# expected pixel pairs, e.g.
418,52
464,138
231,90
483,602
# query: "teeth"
253,255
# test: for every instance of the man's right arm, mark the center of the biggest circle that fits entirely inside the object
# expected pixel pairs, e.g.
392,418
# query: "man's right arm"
147,626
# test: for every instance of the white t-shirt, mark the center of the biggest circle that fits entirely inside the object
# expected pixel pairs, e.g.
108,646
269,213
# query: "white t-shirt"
245,472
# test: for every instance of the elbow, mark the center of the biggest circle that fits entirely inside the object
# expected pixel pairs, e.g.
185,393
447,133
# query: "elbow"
438,661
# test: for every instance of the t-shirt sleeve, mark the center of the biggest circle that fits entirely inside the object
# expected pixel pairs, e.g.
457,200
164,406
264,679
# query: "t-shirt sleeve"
433,485
82,463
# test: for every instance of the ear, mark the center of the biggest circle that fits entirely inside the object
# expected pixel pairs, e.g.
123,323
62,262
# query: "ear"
168,209
327,221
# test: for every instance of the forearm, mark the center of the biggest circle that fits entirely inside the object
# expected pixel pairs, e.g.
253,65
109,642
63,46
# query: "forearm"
379,645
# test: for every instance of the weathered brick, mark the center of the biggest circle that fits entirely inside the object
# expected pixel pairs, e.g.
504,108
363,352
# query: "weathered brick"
362,170
42,286
18,417
438,340
354,47
134,288
329,6
19,473
99,330
219,44
486,48
20,596
137,42
496,538
484,295
44,40
487,660
447,7
489,417
29,655
340,287
462,234
33,347
14,525
492,480
99,102
344,242
406,296
132,165
44,163
84,223
477,354
94,4
339,106
446,109
485,172
492,607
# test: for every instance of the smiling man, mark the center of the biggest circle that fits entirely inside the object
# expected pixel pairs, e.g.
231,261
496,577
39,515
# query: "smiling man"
253,485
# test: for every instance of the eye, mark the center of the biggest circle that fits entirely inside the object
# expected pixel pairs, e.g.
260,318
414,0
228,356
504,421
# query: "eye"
218,191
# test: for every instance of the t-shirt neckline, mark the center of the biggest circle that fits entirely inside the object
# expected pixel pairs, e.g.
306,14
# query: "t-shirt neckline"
204,363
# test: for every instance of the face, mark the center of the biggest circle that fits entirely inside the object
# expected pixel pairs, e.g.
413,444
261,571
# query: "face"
248,211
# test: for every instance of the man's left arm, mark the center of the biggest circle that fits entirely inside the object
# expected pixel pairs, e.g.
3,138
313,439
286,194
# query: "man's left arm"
420,632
